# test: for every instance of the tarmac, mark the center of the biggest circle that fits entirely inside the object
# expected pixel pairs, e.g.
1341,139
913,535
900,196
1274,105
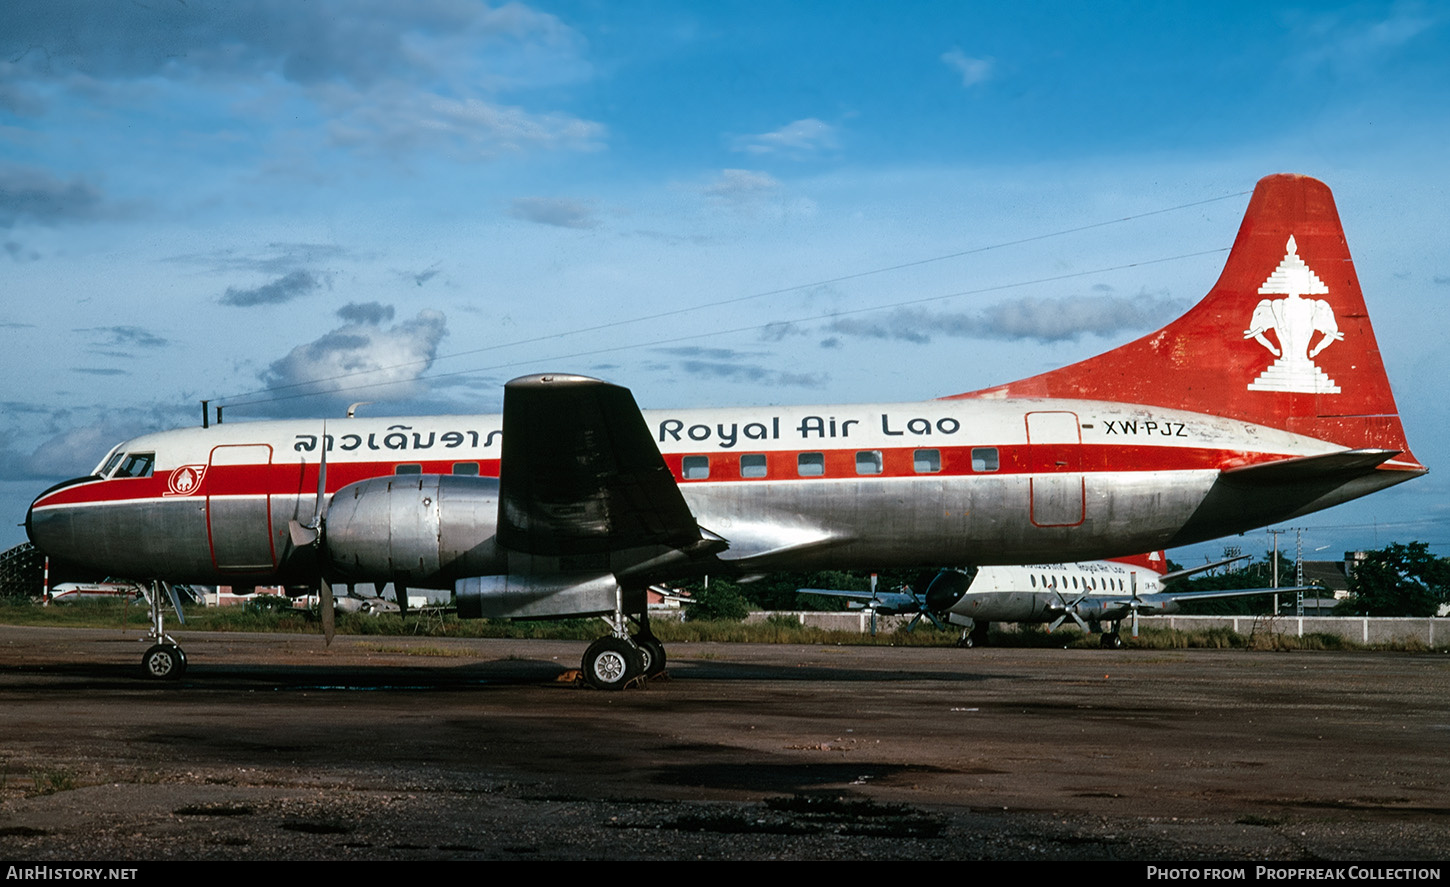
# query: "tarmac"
388,748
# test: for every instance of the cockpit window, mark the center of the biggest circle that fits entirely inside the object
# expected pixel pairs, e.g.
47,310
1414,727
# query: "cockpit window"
136,465
111,462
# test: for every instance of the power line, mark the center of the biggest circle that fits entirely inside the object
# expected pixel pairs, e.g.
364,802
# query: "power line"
233,400
711,334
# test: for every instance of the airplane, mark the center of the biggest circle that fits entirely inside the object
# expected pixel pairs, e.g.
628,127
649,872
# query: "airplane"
1265,401
69,592
1090,592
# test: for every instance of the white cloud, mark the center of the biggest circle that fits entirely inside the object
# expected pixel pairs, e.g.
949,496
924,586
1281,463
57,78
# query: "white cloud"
735,185
973,70
360,360
799,139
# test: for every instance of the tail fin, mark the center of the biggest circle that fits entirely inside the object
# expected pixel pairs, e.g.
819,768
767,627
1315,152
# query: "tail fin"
1152,560
1283,339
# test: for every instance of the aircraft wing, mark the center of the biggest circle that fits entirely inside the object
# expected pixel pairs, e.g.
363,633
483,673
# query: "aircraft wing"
889,599
1163,603
581,474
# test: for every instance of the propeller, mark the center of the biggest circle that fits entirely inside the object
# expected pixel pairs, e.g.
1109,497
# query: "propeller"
1133,607
1069,608
313,533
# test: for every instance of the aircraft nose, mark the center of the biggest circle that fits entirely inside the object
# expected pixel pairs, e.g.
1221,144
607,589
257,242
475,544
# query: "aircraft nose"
947,588
47,520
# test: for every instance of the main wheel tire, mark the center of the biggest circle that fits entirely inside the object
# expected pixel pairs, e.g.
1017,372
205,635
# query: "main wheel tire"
610,663
652,652
163,662
1112,641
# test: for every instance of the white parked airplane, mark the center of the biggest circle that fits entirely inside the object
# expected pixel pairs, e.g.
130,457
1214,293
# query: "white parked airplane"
1089,593
1265,401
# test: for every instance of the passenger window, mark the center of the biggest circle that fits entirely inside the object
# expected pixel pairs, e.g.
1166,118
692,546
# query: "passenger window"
136,465
984,459
752,466
697,467
411,468
926,461
868,462
468,468
811,464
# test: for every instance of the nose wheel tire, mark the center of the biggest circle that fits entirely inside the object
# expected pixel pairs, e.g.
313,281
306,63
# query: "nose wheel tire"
163,662
611,663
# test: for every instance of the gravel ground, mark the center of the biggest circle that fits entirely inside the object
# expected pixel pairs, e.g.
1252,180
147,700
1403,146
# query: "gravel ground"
275,747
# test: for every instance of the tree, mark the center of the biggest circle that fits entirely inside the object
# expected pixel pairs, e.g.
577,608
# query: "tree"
721,599
1398,580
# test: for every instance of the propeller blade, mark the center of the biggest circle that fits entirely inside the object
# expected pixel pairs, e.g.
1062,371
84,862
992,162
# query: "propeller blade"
302,535
1056,623
329,615
401,593
1135,605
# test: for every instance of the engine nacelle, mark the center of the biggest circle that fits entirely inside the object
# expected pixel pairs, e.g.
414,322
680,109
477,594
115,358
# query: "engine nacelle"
423,530
540,595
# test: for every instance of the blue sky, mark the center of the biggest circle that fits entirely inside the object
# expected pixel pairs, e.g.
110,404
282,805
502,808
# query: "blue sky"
699,201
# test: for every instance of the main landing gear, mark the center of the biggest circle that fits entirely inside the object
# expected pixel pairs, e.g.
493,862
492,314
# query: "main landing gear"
164,659
976,636
620,659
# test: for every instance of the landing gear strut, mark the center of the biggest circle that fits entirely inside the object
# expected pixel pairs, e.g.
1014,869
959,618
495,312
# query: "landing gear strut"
976,636
164,659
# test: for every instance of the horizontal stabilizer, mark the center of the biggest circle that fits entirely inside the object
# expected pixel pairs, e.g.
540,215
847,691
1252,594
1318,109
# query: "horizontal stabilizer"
1347,463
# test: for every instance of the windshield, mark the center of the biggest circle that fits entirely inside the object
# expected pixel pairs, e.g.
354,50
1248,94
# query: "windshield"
135,465
108,463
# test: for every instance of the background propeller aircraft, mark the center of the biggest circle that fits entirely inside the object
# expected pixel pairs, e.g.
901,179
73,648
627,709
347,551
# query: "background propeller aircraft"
1267,400
1088,593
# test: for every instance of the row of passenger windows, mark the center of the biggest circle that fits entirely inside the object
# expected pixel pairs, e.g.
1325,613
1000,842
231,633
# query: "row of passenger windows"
1089,583
464,468
755,465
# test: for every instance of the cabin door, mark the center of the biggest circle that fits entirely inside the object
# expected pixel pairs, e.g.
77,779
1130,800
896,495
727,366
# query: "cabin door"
1054,457
238,508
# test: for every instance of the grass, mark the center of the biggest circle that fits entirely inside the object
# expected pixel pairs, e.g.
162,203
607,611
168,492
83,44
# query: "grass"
778,629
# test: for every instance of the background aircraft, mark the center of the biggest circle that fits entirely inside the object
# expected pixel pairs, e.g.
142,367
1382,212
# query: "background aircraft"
1089,593
1265,401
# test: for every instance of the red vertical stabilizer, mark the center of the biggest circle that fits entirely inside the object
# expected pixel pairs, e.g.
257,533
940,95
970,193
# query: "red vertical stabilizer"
1156,561
1283,339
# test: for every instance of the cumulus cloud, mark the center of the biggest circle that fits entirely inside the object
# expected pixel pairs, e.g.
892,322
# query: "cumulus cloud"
289,286
1042,320
557,211
972,70
362,360
798,139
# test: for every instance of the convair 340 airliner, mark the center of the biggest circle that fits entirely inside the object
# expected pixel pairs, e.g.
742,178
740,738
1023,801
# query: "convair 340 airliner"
1267,400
